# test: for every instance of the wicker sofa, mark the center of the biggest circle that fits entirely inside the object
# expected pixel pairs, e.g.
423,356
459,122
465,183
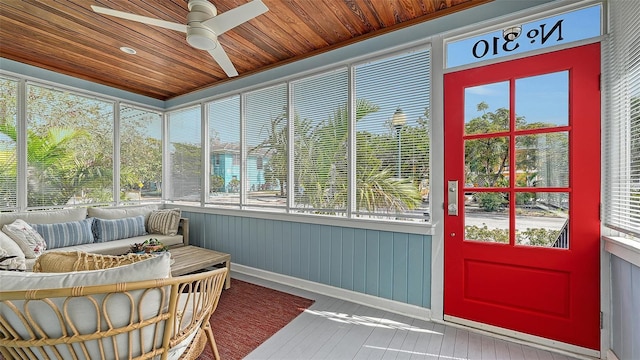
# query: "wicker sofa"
69,226
94,314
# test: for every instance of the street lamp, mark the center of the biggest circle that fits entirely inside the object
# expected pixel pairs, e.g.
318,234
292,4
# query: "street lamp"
398,120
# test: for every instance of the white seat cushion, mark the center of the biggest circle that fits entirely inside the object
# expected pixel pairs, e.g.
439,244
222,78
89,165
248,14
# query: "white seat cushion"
154,268
82,313
45,216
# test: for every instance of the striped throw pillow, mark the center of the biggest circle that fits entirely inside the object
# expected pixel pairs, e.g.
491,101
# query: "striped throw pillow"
164,221
116,229
66,234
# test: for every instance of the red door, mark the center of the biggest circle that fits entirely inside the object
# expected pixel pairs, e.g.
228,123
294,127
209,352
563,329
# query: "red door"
522,176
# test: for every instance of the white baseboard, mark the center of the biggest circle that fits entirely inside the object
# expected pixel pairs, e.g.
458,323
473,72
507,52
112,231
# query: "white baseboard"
347,295
611,355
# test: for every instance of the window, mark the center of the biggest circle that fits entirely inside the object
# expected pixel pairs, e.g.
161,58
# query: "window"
8,141
69,148
140,154
384,122
349,142
392,136
622,106
321,134
266,142
224,144
185,154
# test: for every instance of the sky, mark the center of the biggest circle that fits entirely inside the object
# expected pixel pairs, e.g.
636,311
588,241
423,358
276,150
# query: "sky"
543,98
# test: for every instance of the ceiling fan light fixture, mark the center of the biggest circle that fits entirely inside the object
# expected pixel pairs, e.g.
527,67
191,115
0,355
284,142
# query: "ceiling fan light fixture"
201,38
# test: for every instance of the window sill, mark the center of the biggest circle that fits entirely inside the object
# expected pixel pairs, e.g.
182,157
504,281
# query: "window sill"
410,227
626,249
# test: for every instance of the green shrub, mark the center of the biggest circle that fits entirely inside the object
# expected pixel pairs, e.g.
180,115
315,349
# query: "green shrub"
537,237
490,201
533,237
473,232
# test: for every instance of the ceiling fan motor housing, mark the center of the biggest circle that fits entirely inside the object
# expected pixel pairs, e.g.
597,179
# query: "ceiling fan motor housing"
199,36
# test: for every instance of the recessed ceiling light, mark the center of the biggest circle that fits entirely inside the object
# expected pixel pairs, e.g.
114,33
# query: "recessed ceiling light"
128,50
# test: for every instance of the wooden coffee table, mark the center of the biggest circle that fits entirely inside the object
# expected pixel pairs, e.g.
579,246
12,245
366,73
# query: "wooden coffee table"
187,259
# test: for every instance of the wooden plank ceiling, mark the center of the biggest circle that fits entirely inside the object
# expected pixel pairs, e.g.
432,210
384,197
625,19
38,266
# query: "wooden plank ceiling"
69,38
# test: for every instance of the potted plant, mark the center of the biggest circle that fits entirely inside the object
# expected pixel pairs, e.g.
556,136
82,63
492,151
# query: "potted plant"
149,246
154,245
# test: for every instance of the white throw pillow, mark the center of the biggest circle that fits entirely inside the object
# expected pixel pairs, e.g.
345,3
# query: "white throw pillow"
11,248
31,243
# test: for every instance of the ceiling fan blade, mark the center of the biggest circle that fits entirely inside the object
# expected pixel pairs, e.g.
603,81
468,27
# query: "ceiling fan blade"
221,57
236,16
140,18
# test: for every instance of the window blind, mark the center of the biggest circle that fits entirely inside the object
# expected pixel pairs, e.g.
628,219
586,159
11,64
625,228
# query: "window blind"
69,148
224,151
320,161
392,136
266,143
8,142
185,154
140,154
621,84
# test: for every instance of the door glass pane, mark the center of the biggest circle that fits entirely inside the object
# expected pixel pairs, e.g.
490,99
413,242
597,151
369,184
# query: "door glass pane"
486,217
486,108
542,160
542,219
486,162
542,101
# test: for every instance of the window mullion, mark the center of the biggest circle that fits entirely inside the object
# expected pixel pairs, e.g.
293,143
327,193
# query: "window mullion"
351,157
290,147
116,153
21,127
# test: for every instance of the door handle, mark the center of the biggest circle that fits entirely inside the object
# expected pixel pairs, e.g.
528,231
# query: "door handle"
452,199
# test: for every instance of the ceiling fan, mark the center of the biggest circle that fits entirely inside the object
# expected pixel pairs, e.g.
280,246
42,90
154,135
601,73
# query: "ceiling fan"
203,25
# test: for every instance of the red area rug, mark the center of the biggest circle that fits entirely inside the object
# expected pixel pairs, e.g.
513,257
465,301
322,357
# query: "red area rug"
247,315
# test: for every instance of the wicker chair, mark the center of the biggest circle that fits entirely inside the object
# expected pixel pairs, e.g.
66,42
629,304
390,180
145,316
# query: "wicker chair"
181,321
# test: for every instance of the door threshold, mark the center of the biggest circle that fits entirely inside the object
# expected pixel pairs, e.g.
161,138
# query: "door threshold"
523,338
